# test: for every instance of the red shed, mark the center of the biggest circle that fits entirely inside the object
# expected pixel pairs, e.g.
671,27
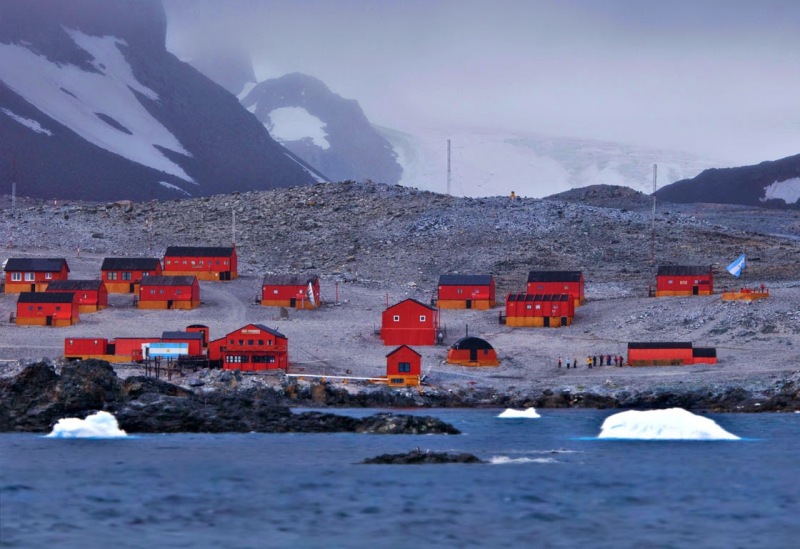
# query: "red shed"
33,274
683,280
669,353
204,262
466,292
91,295
122,274
85,348
250,348
409,323
557,282
403,367
169,292
131,349
298,291
472,351
540,310
47,309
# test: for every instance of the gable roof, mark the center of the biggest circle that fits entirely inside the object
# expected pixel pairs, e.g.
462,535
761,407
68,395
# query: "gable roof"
36,264
46,297
421,304
400,348
261,327
168,281
74,285
199,251
289,280
465,280
555,276
130,264
684,270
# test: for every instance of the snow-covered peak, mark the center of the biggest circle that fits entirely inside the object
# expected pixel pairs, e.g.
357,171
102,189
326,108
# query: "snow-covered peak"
294,124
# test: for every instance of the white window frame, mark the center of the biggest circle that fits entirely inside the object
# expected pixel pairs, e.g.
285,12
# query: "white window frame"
30,277
16,277
396,318
422,318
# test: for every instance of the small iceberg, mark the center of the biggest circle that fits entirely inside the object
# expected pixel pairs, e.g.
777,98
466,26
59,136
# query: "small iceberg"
670,424
98,425
527,413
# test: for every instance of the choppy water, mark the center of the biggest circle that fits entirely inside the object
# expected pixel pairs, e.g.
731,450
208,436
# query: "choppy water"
552,484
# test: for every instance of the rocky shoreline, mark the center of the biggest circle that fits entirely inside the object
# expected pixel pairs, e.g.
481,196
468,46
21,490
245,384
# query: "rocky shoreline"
37,397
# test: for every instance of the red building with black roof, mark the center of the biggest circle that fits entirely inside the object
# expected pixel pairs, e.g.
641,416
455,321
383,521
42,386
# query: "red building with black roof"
472,351
557,282
121,275
409,322
204,262
251,348
539,310
466,292
90,295
33,274
684,280
169,292
403,367
287,290
669,353
47,309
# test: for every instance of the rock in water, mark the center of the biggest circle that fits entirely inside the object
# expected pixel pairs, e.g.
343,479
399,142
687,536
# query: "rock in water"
418,457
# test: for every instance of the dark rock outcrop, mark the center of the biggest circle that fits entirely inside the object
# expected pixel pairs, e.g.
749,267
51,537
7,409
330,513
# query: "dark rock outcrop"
418,457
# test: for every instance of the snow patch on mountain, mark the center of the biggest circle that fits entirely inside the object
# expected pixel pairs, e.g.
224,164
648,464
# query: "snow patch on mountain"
32,124
287,124
788,191
175,188
313,174
76,99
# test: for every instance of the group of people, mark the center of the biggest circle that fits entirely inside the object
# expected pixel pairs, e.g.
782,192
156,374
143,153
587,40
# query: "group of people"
594,361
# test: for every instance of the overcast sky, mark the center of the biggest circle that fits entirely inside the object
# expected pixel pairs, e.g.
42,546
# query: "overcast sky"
718,78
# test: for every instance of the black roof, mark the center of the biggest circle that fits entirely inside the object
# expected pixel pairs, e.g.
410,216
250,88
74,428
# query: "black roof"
539,297
393,351
555,276
465,280
289,279
74,285
470,343
168,281
199,251
46,297
182,335
704,352
36,264
660,345
276,333
683,270
130,264
415,301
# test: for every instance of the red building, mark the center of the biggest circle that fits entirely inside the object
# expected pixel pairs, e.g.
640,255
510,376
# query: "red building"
204,262
466,292
410,323
47,309
683,280
91,295
669,353
540,310
251,348
169,292
121,275
33,274
472,351
557,282
297,291
194,341
403,367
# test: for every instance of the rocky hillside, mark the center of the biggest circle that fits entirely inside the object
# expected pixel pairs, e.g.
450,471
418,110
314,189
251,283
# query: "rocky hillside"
92,106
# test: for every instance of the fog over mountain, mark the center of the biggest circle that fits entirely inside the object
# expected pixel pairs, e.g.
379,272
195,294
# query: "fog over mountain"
713,80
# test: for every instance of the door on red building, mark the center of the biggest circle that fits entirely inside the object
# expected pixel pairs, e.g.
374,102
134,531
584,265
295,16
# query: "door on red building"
48,320
469,304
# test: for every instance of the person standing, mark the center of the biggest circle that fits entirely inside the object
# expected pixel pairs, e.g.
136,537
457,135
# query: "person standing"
589,362
567,364
559,362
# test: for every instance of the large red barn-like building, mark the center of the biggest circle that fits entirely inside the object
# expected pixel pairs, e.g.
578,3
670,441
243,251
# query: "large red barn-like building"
297,291
47,309
251,348
169,292
33,274
122,275
669,353
557,282
409,322
684,280
90,295
204,262
472,351
466,292
403,367
540,310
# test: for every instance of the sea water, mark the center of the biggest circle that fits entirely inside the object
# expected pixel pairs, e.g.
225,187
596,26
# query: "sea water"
550,482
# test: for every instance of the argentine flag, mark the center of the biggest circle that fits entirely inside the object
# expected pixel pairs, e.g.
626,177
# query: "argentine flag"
736,267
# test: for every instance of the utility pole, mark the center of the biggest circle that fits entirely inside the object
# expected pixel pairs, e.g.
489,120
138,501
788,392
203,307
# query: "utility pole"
653,228
448,167
13,183
234,227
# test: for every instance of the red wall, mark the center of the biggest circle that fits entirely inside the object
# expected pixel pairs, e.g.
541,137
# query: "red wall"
684,283
574,288
409,329
167,293
403,354
450,292
175,263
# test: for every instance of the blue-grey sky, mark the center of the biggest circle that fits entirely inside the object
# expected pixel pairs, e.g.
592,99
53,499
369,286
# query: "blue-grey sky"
718,78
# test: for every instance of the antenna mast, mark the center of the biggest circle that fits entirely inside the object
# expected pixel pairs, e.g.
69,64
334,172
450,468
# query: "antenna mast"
13,183
234,227
448,166
653,229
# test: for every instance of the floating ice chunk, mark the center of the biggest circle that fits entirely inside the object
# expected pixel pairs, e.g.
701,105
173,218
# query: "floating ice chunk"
671,424
527,413
99,425
505,460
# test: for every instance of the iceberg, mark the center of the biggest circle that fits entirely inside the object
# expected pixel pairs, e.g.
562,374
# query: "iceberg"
98,425
527,413
670,424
